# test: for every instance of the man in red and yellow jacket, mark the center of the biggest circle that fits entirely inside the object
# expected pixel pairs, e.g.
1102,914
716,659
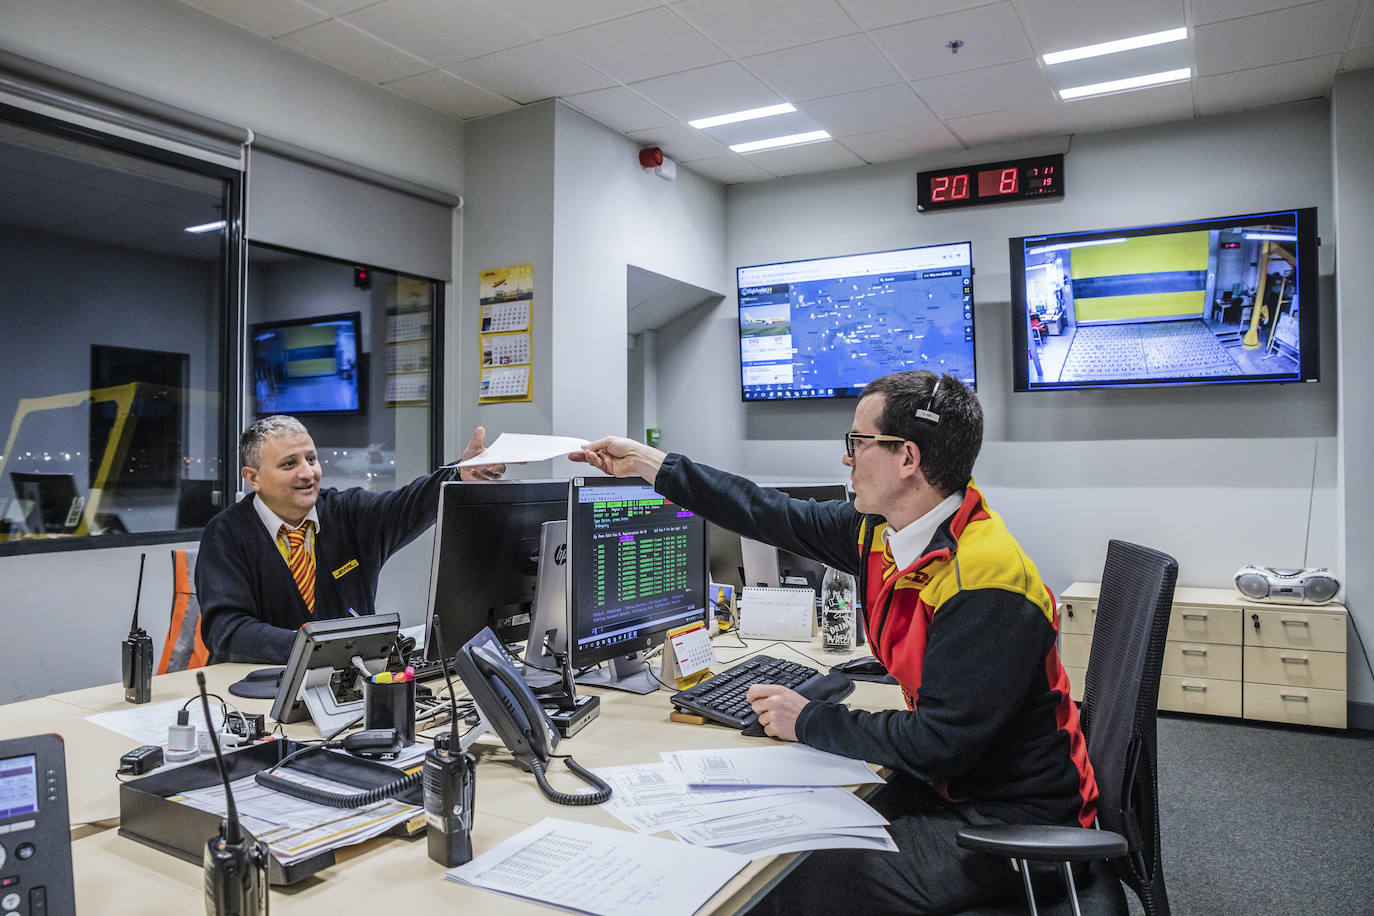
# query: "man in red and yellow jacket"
957,613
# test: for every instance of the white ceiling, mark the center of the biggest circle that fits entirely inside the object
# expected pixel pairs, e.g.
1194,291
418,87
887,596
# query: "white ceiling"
876,74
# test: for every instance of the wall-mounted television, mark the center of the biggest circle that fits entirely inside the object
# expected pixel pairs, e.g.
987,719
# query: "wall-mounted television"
826,327
1212,301
308,366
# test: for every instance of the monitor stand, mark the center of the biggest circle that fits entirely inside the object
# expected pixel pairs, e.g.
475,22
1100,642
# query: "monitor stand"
625,672
328,713
549,620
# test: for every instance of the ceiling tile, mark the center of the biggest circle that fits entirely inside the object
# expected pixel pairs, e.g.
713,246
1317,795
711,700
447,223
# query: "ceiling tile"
1215,10
268,18
991,35
341,45
874,14
441,31
707,91
902,142
869,110
731,169
1287,82
990,89
1358,59
1156,105
338,7
1290,34
1000,126
1057,25
1363,36
745,29
531,72
1176,55
813,157
620,109
553,17
824,68
451,95
641,46
680,142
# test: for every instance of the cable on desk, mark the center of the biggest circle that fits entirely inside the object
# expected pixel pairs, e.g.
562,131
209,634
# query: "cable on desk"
271,780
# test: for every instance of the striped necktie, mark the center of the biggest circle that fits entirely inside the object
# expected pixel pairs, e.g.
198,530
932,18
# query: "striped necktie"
301,561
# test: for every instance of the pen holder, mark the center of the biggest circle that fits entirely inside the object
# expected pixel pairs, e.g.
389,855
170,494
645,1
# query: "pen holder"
390,706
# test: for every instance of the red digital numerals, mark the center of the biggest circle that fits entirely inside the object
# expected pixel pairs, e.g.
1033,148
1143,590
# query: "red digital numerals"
949,187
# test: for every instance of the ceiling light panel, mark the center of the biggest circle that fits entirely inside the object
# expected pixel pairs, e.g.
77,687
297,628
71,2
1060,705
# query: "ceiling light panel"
753,146
1126,84
750,114
1116,47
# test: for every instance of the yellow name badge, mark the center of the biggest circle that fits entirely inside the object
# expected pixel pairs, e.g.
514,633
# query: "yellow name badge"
345,569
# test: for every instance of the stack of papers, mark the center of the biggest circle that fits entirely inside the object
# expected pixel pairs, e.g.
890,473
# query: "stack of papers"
753,802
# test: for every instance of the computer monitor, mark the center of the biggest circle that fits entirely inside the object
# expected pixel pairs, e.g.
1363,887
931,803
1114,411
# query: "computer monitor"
486,558
53,505
320,679
637,568
741,562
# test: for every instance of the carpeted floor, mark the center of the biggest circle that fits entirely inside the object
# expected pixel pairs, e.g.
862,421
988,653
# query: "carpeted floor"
1258,820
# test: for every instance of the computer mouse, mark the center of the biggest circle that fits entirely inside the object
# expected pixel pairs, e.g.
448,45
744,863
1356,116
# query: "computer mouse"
866,665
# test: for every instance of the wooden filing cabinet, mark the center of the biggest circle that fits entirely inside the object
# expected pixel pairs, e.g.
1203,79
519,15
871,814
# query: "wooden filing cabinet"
1227,656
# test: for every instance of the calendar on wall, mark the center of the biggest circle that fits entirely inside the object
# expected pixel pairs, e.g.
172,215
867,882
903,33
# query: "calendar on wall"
409,320
506,337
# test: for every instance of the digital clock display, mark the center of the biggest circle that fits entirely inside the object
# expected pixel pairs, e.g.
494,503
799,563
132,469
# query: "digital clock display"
994,182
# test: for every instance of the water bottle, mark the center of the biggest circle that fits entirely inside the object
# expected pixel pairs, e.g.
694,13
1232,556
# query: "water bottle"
837,610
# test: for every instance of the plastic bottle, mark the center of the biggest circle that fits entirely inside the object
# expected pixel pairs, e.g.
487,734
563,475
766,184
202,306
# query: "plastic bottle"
837,610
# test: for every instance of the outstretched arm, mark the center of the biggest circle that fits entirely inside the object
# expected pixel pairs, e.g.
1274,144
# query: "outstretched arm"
621,457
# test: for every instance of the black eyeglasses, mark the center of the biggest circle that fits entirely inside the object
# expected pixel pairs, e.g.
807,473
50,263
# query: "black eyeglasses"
851,438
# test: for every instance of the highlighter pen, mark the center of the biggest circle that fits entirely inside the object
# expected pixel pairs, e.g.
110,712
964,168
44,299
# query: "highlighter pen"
383,678
410,672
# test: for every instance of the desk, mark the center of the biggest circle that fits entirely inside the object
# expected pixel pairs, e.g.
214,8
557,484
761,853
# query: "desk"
630,729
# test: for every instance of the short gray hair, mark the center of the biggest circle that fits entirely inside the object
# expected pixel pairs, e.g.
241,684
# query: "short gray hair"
250,443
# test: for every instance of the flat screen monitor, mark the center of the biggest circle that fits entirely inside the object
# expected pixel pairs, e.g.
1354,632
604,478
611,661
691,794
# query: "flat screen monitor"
320,680
308,366
50,502
826,327
1212,301
727,557
637,568
486,557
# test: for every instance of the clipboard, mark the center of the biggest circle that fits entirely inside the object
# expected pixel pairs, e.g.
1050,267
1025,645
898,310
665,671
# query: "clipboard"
777,613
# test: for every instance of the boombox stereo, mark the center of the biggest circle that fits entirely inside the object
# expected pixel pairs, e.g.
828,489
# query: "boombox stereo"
1305,586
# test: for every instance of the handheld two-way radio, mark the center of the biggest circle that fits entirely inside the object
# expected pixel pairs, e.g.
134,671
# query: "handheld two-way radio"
450,786
137,657
235,869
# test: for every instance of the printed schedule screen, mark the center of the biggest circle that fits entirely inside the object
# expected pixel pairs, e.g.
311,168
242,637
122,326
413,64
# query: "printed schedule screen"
638,567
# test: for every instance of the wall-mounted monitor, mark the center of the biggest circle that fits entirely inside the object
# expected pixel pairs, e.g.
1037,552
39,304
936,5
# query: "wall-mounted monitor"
1213,301
308,366
826,327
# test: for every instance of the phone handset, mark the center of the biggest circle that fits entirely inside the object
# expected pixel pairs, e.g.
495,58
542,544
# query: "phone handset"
533,723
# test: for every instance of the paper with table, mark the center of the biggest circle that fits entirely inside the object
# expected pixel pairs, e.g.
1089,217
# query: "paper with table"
516,448
147,724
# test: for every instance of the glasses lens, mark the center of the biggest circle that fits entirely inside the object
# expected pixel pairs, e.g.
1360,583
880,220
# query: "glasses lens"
849,444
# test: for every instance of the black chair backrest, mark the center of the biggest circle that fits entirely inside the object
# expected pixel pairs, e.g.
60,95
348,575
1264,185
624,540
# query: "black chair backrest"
1120,698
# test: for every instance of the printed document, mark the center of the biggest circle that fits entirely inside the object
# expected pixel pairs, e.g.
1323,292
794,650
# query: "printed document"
789,815
783,765
515,448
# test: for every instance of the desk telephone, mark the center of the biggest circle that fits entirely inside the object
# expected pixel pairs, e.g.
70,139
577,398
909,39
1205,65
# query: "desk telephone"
509,706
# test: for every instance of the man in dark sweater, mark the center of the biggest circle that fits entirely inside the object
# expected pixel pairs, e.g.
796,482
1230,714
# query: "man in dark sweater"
958,614
290,552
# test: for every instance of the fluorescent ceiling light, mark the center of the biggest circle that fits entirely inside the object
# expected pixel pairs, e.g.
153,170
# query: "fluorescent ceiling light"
206,227
775,142
1271,237
1113,47
1067,245
1131,82
737,116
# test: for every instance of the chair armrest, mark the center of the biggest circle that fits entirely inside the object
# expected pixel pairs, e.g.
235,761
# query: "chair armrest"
1044,842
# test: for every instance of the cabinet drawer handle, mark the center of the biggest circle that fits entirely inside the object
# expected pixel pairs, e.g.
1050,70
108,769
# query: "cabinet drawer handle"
1294,696
1201,688
1194,651
1194,616
1293,660
1293,623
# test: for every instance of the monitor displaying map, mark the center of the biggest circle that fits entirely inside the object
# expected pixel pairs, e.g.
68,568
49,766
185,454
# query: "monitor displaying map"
826,327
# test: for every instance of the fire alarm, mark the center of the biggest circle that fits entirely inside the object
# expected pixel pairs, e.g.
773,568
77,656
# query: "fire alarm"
651,157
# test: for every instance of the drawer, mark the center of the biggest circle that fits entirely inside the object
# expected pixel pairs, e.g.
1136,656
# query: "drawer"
1204,660
1194,623
1077,678
1077,615
1293,628
1295,705
1211,696
1074,648
1296,667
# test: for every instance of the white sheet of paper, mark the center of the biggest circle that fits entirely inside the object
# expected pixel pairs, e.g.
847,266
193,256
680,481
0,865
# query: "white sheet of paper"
148,724
876,838
783,765
513,448
593,869
651,797
791,815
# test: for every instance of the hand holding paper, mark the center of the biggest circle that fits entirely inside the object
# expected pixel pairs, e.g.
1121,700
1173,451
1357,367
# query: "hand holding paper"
518,448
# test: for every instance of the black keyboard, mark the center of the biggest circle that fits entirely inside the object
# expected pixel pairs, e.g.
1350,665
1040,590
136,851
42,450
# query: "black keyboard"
722,698
427,670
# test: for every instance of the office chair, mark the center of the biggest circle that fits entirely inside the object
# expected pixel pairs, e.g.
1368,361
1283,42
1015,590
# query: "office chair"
1118,712
183,647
